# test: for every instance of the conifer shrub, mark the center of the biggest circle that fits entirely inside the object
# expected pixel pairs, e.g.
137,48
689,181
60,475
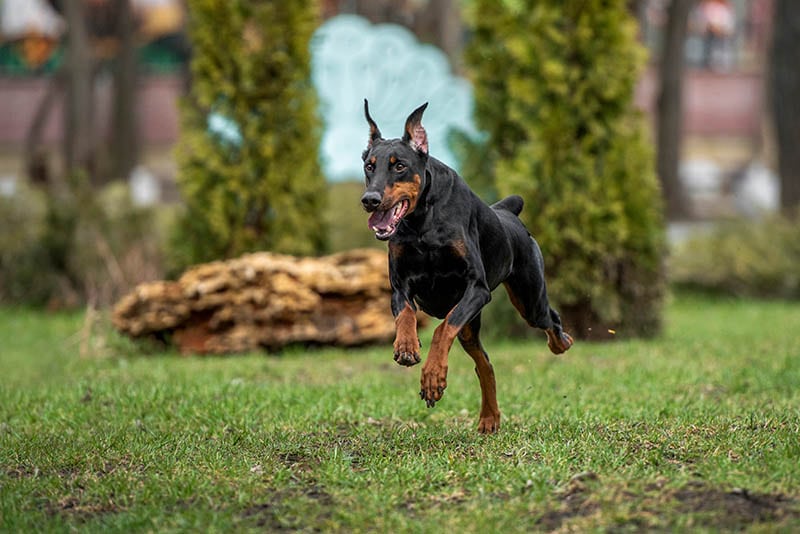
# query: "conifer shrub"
25,273
554,84
70,245
742,258
248,164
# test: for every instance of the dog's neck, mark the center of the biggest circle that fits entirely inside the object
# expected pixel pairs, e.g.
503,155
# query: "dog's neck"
431,194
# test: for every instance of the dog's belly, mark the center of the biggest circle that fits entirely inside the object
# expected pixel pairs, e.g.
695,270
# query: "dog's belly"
436,274
438,295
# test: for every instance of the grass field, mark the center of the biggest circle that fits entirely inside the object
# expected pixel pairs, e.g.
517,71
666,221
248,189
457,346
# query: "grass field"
696,430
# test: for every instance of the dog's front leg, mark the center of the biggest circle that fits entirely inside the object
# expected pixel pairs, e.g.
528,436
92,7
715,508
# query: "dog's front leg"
433,380
406,341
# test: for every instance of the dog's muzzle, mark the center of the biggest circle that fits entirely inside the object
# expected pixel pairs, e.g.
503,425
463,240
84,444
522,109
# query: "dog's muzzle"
371,200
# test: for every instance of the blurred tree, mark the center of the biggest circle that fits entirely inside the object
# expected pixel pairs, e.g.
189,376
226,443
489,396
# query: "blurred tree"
669,122
638,9
78,136
433,21
124,129
554,85
80,246
248,165
784,86
97,34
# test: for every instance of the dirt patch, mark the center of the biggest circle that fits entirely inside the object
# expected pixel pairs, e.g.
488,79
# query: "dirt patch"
305,457
77,505
264,516
74,472
734,509
278,513
298,460
575,501
124,464
74,508
697,504
22,471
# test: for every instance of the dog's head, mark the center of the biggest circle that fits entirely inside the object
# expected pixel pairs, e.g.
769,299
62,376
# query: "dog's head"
394,170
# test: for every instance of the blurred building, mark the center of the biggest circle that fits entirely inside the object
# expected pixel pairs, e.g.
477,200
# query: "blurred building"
724,89
727,144
32,50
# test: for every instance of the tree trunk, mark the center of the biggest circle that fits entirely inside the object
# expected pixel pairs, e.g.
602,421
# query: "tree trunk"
638,9
125,138
35,157
670,110
439,23
785,99
78,139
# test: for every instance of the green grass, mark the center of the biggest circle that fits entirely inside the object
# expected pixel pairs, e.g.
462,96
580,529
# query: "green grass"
699,429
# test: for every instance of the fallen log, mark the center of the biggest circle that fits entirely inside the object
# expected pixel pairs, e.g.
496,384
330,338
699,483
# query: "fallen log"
265,301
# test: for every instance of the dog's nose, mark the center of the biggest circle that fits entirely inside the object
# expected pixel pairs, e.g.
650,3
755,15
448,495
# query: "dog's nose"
371,200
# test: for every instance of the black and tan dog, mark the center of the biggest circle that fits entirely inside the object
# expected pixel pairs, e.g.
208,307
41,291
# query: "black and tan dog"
447,251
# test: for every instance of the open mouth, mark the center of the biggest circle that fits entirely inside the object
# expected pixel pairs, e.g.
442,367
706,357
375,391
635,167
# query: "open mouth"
384,223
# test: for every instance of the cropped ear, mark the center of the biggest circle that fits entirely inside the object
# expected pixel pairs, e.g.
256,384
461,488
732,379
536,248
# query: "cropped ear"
374,132
415,133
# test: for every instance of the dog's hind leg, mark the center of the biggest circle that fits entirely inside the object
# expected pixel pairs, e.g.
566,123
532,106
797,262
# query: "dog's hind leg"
528,293
490,414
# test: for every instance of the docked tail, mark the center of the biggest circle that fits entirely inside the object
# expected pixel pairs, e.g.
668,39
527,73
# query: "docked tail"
512,203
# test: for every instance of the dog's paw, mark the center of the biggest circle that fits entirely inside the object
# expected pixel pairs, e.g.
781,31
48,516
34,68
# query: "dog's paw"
558,343
432,383
489,424
407,353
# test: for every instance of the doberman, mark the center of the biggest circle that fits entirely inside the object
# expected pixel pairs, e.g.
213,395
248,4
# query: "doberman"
447,251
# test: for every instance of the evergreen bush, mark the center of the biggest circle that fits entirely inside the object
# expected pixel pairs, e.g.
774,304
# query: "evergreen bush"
742,258
248,165
554,84
71,244
25,271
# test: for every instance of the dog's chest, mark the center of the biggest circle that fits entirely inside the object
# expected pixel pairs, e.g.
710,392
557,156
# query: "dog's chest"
431,267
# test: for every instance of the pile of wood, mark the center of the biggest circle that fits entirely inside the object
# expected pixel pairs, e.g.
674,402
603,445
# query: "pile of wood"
265,300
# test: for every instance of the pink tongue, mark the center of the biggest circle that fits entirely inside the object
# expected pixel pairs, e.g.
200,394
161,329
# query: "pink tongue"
380,219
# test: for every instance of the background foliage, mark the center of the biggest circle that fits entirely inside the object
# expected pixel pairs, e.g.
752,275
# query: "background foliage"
23,256
71,244
264,190
554,83
743,258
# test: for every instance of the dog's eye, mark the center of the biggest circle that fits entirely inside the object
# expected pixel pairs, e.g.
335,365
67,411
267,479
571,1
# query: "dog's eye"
369,167
399,167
